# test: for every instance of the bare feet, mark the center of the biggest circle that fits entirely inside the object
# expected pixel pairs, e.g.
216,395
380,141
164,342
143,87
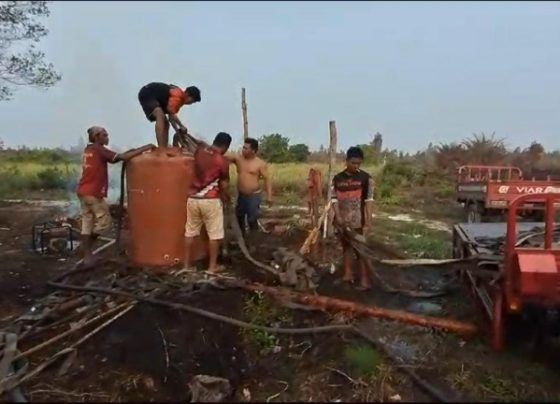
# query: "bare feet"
188,269
215,270
348,277
364,285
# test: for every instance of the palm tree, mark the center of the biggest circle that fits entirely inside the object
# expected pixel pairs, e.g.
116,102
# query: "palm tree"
485,150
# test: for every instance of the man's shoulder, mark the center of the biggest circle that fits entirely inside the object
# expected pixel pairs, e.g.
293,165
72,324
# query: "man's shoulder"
175,89
94,147
364,174
339,175
260,162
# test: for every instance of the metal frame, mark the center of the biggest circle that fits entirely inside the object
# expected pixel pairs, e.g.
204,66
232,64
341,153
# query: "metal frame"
480,169
44,228
503,298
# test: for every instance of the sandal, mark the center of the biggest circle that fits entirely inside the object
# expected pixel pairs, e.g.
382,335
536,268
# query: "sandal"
220,273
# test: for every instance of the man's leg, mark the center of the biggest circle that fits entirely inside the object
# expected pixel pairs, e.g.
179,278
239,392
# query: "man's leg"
365,283
253,210
162,127
87,227
347,262
192,229
99,222
241,211
188,248
213,215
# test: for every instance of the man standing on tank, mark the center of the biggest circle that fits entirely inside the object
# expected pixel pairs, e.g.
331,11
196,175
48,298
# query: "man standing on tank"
207,196
92,188
160,99
250,170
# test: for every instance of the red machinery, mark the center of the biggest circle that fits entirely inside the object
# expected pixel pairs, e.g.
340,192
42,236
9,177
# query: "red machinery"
488,191
516,272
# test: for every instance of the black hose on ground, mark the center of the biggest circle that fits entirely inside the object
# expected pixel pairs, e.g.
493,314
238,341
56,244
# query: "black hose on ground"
121,207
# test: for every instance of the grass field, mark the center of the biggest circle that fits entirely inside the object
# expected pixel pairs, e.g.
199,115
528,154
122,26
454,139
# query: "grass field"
19,178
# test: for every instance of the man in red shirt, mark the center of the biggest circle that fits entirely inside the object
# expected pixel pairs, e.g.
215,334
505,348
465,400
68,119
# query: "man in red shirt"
160,99
92,188
207,196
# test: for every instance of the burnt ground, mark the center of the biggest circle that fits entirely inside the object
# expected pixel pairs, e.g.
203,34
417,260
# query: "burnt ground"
151,353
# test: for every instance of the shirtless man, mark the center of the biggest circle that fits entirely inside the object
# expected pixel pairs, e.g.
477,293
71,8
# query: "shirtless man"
250,169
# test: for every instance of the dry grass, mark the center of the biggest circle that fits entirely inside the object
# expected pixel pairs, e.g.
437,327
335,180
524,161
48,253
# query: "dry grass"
288,178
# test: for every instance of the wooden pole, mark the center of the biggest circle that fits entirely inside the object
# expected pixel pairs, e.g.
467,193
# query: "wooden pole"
244,109
327,228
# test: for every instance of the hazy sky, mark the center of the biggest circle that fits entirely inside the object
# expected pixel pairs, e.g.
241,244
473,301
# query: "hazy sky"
413,71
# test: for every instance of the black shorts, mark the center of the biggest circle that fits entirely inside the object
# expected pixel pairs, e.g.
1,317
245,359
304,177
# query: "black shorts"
148,102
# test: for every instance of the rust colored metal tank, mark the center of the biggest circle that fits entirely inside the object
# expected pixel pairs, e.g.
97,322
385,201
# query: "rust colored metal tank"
157,186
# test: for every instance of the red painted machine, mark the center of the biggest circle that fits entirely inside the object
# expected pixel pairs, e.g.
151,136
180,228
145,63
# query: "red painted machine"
516,273
487,191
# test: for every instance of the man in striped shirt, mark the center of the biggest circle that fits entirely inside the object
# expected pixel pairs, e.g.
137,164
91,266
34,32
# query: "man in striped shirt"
207,196
352,198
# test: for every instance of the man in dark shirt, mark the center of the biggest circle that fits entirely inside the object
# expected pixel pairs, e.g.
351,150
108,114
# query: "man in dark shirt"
92,188
352,199
160,99
207,196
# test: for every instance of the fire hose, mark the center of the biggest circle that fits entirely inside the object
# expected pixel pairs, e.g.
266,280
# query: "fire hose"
121,207
423,384
362,249
238,235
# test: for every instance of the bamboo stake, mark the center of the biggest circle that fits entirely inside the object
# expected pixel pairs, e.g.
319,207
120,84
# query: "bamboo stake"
244,110
64,351
69,331
339,305
314,234
332,162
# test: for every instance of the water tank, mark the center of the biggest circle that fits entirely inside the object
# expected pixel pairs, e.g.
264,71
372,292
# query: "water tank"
157,187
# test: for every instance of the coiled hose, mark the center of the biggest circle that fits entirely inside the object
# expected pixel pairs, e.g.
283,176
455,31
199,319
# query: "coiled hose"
121,208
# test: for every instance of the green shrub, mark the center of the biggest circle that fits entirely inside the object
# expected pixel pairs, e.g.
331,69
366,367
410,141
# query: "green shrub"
51,178
363,359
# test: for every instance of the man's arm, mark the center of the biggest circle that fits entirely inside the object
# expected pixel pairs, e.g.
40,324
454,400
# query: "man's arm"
369,203
224,191
176,123
334,203
265,174
127,155
231,158
224,183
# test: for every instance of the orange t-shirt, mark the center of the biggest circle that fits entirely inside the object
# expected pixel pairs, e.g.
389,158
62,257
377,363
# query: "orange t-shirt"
176,100
95,178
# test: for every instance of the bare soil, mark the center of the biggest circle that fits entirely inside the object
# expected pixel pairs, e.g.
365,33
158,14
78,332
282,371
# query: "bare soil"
151,353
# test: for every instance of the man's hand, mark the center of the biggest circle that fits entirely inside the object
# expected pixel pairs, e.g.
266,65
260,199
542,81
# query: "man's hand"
226,201
366,228
338,220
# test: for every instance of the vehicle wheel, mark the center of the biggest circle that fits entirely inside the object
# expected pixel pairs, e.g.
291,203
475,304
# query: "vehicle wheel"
538,216
498,321
473,213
